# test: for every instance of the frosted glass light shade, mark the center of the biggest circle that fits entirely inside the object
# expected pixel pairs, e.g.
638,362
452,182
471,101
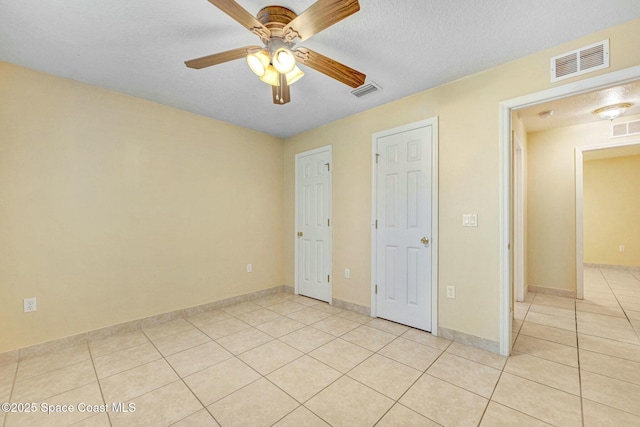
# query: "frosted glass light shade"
611,112
270,76
294,75
283,60
258,62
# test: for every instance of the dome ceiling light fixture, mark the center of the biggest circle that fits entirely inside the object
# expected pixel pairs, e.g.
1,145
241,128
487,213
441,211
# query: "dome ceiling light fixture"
279,29
611,112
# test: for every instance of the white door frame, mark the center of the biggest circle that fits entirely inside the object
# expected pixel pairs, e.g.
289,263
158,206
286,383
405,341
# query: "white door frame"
505,108
328,148
433,122
579,156
518,220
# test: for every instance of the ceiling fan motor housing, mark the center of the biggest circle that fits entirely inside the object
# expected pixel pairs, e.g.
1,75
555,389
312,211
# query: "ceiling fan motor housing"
275,18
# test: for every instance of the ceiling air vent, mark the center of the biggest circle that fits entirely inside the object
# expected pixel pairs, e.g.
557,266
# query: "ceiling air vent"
625,129
366,89
580,61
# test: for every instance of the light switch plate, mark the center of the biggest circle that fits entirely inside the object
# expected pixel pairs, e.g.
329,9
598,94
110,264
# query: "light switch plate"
451,291
470,220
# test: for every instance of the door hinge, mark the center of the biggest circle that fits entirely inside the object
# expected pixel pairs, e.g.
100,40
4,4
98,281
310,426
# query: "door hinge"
376,289
377,155
328,166
376,224
328,222
328,278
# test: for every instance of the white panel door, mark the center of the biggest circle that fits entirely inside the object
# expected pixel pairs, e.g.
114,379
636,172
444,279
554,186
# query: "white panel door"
313,211
403,211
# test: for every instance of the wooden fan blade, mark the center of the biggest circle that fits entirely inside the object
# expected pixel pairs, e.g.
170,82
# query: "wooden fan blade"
320,15
329,67
219,58
241,15
281,94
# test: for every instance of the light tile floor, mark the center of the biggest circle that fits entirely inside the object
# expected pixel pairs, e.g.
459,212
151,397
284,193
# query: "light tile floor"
286,360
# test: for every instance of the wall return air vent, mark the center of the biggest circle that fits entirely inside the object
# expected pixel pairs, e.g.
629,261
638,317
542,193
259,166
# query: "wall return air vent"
580,61
625,129
366,89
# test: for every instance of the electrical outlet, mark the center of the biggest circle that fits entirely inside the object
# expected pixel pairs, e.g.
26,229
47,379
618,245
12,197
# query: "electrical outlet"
451,291
30,304
621,248
249,268
347,273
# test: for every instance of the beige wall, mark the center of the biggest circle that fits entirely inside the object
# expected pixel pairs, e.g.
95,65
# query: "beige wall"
113,208
551,208
611,211
469,180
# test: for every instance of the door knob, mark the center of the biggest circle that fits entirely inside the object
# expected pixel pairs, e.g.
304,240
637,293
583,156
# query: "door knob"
424,241
299,233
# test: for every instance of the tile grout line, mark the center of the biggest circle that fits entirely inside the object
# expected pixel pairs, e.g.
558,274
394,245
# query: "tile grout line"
95,371
596,373
13,386
15,380
490,399
618,301
582,398
346,374
397,401
236,356
394,401
424,372
504,366
364,360
303,403
342,375
162,357
334,337
183,382
541,358
575,308
297,358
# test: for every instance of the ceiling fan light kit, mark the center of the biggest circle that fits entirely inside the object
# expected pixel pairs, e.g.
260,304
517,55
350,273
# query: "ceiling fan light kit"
279,28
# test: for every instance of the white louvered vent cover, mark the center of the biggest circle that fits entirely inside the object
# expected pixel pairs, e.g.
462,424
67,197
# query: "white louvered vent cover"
366,89
625,129
580,61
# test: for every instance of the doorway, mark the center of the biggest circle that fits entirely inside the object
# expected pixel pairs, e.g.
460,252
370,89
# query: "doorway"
506,184
579,180
404,225
313,224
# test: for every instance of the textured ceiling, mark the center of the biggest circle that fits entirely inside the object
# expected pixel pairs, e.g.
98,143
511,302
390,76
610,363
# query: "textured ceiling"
579,109
405,46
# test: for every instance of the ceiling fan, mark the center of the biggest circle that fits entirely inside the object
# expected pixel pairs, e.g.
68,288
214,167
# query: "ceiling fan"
279,29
